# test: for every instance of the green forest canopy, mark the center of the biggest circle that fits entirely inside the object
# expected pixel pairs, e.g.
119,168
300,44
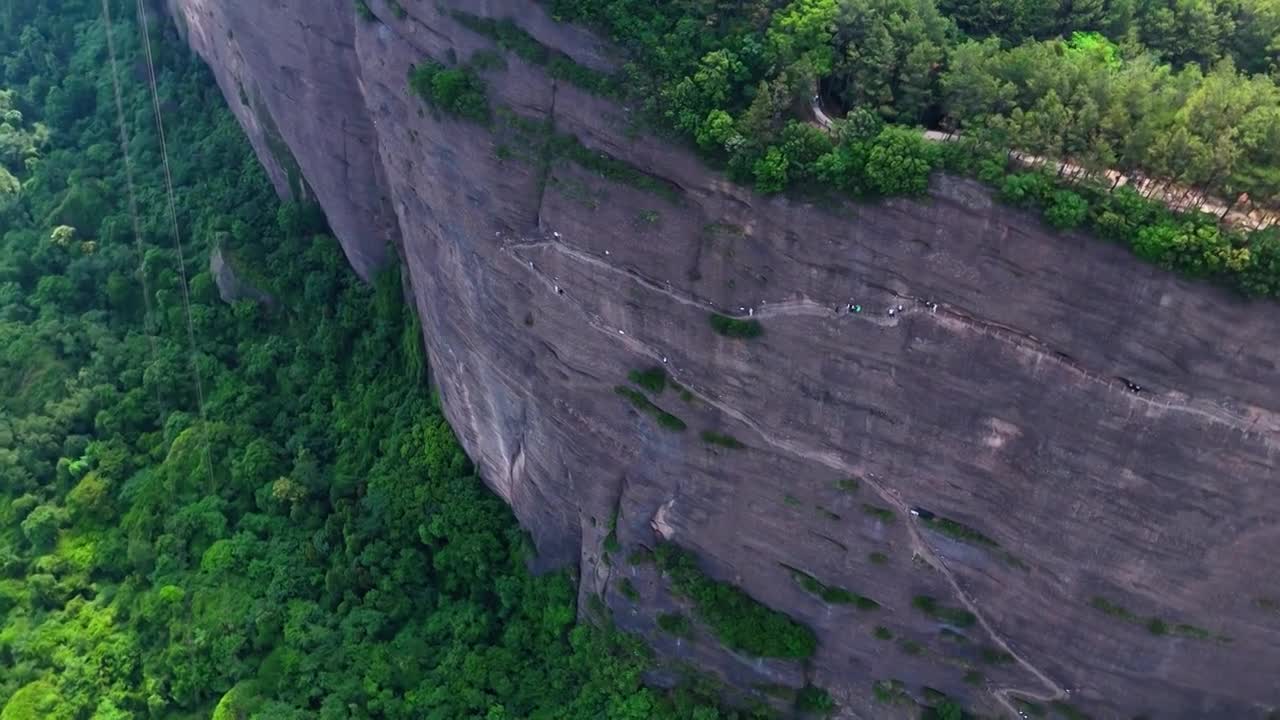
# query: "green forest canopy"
1107,83
1036,77
315,543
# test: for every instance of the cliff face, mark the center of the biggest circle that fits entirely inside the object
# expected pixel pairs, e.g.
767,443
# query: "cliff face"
992,399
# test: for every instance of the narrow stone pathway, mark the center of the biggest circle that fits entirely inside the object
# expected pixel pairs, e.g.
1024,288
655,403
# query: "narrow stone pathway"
829,458
1253,421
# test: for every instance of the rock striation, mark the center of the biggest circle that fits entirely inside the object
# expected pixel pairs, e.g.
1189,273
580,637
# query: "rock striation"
1116,549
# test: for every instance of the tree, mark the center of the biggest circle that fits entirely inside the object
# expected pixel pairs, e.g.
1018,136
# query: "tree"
899,162
41,525
888,55
771,171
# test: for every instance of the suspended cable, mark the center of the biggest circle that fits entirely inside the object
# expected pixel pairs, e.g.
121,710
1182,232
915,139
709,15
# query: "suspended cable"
177,234
149,319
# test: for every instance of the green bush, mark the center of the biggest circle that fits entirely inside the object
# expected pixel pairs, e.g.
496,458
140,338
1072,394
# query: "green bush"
640,556
1026,189
993,656
1066,210
456,91
812,699
882,514
865,603
735,328
712,437
510,36
611,168
959,531
642,403
890,692
628,590
878,558
1100,603
828,593
883,633
955,616
739,621
900,161
675,624
653,379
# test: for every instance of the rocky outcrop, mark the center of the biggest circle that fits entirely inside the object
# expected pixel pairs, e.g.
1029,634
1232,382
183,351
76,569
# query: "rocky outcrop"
231,287
996,397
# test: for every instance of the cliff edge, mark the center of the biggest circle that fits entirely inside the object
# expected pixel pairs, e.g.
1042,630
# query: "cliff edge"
1082,543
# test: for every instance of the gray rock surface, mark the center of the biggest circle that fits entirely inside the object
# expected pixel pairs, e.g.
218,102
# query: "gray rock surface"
231,287
1000,408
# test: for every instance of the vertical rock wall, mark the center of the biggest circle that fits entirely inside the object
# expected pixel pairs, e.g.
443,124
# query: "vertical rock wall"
992,398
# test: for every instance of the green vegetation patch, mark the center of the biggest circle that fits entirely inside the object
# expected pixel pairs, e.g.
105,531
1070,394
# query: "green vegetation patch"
642,403
955,616
730,86
882,514
641,556
1030,709
1068,711
830,594
882,633
1106,606
612,168
849,485
738,620
878,558
994,656
653,379
456,91
1154,625
736,327
675,624
510,36
911,647
712,437
816,700
959,531
628,590
890,692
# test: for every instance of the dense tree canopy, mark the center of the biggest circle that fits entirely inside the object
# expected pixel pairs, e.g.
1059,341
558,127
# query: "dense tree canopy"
1182,97
312,542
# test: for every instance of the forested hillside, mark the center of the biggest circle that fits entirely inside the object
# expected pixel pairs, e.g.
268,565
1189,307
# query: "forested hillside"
1181,96
309,542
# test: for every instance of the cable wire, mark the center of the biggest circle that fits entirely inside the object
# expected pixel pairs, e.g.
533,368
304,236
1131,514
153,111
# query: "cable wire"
177,235
149,318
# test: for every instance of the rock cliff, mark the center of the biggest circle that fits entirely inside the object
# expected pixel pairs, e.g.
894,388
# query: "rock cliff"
1113,544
